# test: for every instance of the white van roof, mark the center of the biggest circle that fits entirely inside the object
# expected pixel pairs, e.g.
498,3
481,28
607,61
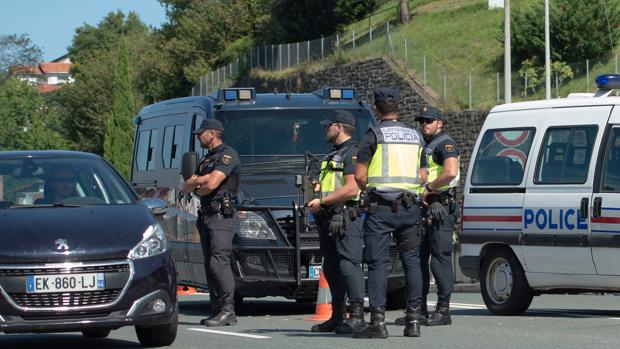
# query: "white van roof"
557,103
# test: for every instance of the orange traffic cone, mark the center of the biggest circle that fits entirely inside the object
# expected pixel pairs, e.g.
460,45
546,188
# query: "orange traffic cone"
323,301
183,290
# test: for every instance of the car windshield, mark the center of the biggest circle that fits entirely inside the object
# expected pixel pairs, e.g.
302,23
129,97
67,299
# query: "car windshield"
256,133
60,181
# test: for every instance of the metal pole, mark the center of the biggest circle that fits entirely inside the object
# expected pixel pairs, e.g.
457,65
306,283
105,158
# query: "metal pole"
557,87
587,75
273,61
370,34
297,61
406,55
525,90
212,81
445,87
308,49
218,78
200,84
469,90
424,69
615,63
280,55
288,56
507,72
194,87
547,53
265,56
322,49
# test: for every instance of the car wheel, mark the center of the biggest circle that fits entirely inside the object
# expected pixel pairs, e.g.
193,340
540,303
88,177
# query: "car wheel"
96,332
158,336
503,285
396,299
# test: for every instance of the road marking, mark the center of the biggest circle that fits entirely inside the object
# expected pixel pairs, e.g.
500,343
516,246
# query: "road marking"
467,306
254,336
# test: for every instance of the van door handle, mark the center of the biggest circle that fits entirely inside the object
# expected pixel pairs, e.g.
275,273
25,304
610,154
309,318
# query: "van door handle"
583,210
597,211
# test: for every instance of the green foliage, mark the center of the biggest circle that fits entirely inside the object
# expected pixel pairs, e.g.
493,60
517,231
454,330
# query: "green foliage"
87,104
536,74
307,20
578,28
27,122
17,50
120,129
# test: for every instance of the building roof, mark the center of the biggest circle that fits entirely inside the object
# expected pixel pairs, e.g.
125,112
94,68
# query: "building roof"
25,69
55,67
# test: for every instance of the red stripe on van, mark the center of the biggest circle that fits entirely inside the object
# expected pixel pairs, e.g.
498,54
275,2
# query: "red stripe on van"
608,220
492,218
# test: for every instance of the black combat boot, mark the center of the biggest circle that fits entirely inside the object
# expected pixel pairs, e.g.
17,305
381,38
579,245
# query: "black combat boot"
337,319
423,316
441,316
376,328
412,323
216,306
355,322
226,316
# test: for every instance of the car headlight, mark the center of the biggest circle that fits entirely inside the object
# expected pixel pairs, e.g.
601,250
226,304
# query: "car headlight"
153,242
254,226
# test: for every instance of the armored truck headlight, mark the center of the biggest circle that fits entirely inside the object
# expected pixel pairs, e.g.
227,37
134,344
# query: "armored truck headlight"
254,226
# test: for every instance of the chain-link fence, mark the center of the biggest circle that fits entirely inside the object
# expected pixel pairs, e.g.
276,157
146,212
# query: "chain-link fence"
462,90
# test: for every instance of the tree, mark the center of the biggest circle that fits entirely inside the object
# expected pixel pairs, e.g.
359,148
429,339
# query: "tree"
120,129
404,11
87,104
579,30
27,122
17,50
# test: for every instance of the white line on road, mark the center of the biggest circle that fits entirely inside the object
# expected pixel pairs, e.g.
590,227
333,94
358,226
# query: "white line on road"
254,336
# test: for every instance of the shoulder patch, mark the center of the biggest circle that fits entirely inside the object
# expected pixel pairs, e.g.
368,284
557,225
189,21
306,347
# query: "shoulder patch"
354,160
449,148
227,159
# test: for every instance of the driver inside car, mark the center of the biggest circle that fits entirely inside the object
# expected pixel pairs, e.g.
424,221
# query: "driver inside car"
59,186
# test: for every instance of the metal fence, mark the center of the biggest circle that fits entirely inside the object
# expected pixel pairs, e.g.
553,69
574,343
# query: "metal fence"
461,90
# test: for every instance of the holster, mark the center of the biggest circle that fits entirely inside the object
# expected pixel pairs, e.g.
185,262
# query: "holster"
221,204
409,239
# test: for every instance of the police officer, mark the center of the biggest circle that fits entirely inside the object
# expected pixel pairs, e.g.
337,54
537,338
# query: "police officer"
339,220
439,196
391,164
217,183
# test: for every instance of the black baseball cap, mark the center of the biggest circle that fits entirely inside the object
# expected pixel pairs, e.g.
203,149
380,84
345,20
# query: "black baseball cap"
209,124
429,112
340,116
382,94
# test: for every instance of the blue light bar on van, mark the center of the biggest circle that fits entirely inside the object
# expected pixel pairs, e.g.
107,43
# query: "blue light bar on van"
237,94
341,93
608,81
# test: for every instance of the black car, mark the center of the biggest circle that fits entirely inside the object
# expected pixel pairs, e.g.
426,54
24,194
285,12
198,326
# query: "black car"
80,251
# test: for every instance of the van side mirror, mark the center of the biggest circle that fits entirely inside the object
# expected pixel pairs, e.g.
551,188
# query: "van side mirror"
189,164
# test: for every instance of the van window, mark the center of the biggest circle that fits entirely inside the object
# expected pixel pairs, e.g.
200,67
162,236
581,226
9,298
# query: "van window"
171,152
611,169
147,141
502,156
565,155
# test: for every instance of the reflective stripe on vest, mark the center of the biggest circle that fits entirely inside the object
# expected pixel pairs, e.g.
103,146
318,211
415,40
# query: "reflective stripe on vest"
331,177
434,169
395,165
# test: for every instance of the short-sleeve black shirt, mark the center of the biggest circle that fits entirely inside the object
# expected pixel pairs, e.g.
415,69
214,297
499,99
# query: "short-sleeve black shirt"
447,148
349,157
226,160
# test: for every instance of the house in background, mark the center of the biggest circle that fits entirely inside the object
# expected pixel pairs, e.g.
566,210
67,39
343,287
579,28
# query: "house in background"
47,76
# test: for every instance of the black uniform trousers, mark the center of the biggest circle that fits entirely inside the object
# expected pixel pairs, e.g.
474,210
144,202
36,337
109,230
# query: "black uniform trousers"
342,258
437,245
379,229
216,235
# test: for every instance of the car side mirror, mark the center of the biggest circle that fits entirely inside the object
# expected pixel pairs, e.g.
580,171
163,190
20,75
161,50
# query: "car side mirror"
189,164
157,206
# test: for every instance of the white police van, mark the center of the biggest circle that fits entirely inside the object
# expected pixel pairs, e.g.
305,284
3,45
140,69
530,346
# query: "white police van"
541,207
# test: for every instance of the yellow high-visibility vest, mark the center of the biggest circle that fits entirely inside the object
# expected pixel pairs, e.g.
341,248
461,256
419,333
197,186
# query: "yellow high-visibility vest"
435,169
395,165
331,177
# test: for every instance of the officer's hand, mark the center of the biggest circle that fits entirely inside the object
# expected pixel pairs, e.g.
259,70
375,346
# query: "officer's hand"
316,186
314,205
190,184
438,211
336,225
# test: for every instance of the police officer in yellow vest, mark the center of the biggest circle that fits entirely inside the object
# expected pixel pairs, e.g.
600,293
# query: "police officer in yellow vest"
391,165
339,220
439,195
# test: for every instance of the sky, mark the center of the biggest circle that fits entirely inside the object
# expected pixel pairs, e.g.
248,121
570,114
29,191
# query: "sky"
51,24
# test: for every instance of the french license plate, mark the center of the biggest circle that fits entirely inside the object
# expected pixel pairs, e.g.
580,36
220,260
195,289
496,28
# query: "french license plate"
314,271
65,282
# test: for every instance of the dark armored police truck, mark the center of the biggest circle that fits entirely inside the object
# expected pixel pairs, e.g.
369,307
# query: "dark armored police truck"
276,246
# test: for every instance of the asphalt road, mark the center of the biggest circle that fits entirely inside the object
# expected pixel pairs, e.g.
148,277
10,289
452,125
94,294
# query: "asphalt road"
558,321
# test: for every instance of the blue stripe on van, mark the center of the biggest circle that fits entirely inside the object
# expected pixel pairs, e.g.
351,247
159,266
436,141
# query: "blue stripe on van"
492,207
611,208
491,229
605,231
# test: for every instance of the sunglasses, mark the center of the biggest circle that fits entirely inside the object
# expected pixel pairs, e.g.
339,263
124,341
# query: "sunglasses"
426,121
